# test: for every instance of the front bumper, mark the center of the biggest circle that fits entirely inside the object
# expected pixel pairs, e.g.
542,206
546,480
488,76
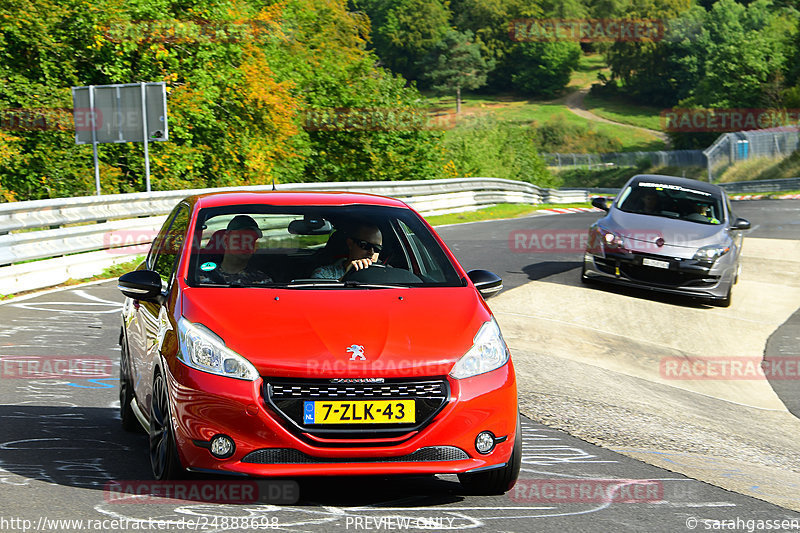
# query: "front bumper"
206,405
686,277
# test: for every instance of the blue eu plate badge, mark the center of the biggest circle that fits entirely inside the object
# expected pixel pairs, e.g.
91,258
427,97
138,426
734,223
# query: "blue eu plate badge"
308,412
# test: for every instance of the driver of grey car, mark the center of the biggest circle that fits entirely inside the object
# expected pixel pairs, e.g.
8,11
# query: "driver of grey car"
651,202
364,244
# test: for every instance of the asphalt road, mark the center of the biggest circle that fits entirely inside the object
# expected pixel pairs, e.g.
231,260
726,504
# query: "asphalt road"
61,443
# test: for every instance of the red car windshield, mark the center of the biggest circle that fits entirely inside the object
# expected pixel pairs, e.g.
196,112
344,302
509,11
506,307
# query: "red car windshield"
312,246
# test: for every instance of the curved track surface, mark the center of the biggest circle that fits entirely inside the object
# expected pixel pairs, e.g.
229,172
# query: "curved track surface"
61,442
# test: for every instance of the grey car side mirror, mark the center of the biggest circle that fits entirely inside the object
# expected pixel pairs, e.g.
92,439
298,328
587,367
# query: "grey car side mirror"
600,203
741,224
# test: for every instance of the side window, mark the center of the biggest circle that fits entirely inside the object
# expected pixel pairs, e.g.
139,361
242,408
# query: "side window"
170,244
427,265
160,237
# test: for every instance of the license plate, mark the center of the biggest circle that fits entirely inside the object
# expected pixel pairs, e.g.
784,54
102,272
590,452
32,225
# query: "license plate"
359,412
655,263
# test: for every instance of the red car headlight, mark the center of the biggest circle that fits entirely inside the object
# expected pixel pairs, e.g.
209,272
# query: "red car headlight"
489,352
203,350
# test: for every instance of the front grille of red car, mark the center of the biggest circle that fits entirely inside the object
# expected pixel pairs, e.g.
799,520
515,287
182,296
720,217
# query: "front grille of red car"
286,397
359,391
283,456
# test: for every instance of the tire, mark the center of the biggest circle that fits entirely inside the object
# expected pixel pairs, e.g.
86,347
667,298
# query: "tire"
724,302
584,279
126,415
498,480
164,459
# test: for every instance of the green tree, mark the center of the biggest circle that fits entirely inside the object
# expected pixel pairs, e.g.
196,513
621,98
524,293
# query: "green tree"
544,68
491,22
745,50
455,63
499,150
241,77
404,31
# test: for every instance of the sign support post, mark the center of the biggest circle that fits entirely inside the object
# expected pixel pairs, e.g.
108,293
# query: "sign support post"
93,125
144,135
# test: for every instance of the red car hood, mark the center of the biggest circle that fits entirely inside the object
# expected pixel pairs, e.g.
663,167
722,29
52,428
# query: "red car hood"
325,333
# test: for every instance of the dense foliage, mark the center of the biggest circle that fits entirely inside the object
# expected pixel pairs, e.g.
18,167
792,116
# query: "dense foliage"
246,82
321,90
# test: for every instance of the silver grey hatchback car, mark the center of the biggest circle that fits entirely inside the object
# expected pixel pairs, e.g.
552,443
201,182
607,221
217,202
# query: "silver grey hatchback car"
667,234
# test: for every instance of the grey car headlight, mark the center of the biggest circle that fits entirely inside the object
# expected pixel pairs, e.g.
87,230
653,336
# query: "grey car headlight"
203,350
610,240
709,254
489,352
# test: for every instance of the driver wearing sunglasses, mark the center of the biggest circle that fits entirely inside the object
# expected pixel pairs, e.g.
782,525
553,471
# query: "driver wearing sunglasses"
364,244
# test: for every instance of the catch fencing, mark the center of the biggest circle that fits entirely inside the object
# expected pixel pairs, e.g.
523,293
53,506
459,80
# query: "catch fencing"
730,148
662,158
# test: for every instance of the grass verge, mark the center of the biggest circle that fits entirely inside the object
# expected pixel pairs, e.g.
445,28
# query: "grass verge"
495,212
618,110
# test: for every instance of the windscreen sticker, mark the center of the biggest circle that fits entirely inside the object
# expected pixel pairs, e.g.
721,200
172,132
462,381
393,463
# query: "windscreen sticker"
661,186
205,267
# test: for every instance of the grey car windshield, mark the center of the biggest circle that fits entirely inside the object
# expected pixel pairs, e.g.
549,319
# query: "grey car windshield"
300,246
672,201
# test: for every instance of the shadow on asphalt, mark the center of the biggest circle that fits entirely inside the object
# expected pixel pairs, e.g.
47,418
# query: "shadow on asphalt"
86,447
568,273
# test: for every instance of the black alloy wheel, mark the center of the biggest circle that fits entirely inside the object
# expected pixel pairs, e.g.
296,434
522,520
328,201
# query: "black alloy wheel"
164,459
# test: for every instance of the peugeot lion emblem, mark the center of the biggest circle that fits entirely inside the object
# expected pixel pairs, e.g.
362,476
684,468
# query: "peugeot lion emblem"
357,351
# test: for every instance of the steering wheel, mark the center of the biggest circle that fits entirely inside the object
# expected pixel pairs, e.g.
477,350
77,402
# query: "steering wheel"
377,273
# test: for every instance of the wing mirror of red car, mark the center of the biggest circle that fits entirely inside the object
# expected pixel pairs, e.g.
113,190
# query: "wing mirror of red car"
487,283
140,285
741,224
600,203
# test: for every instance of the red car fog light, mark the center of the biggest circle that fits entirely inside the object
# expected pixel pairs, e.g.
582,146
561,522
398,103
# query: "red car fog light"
485,442
222,446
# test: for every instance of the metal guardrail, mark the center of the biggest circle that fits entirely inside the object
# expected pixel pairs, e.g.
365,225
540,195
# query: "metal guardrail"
423,195
85,234
739,187
113,221
785,184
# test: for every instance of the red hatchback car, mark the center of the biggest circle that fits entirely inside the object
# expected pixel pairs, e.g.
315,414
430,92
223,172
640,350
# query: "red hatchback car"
288,334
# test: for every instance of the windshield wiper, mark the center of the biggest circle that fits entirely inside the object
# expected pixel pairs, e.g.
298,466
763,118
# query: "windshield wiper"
364,285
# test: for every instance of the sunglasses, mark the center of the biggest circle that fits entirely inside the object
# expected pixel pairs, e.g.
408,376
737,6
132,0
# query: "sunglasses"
368,246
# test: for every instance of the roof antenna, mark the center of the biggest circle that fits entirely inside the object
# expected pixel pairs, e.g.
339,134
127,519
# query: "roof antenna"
273,184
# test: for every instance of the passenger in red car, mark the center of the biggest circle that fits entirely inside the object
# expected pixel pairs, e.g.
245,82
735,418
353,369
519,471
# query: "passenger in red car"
239,246
364,244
